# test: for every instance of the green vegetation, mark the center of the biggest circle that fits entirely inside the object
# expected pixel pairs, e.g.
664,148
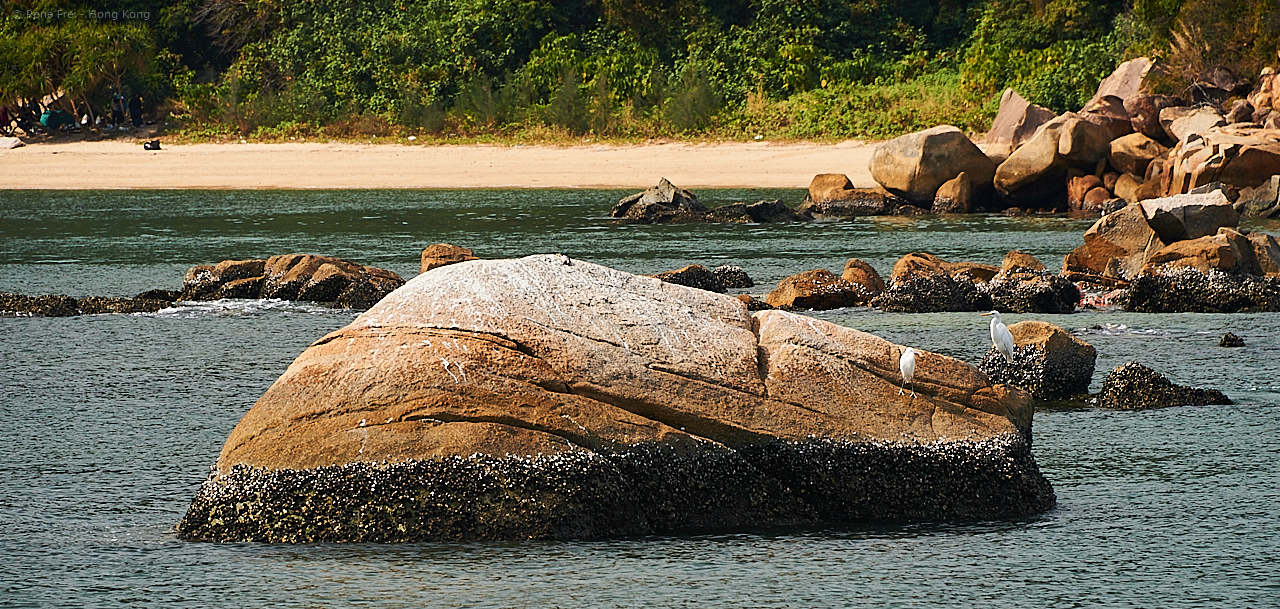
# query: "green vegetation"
621,69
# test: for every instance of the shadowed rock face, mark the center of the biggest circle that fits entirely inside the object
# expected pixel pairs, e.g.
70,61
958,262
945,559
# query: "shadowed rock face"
1134,386
537,366
1048,362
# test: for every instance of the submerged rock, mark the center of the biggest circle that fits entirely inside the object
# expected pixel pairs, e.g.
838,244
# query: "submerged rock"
292,277
1230,340
508,399
1048,362
1187,290
57,305
1134,386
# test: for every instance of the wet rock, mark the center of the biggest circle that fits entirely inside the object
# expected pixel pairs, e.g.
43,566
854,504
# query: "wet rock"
760,212
1017,260
1186,290
853,203
51,305
817,290
1048,362
955,196
662,203
753,304
165,295
99,305
1231,341
694,276
733,277
1134,386
932,294
509,399
1028,291
859,272
437,255
292,277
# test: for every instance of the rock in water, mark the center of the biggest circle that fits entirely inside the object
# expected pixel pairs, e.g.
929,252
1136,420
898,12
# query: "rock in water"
1048,362
1134,386
662,203
505,399
694,276
292,277
732,276
1230,340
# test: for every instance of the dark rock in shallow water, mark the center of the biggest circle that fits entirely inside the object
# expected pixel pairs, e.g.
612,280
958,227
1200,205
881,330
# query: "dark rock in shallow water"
1186,290
645,490
731,276
932,294
662,203
760,212
165,295
1027,291
753,304
1231,340
694,276
1134,386
51,305
1048,362
66,306
292,277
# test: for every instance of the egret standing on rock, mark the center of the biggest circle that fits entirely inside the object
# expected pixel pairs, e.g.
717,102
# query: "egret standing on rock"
1000,336
907,363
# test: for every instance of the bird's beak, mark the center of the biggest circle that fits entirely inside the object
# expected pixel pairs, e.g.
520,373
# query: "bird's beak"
985,314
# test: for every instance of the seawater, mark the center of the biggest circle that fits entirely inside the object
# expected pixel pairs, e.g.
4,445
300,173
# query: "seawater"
112,421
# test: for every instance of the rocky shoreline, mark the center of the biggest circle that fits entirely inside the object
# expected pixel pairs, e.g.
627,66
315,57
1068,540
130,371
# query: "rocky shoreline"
644,490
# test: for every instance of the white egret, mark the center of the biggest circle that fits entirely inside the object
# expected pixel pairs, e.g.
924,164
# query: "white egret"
907,363
1000,336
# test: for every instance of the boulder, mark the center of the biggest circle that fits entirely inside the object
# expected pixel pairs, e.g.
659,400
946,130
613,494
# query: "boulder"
1126,81
1078,187
816,290
1132,153
662,203
1015,123
1236,156
1036,171
915,165
1262,201
1116,246
854,203
1231,341
1187,290
1028,291
760,212
694,276
1241,112
934,293
1179,122
1216,84
955,196
859,273
292,277
517,399
1127,187
1189,216
1144,115
1048,362
732,276
1227,251
441,254
1262,98
830,187
753,304
1108,112
1134,387
1017,260
1266,252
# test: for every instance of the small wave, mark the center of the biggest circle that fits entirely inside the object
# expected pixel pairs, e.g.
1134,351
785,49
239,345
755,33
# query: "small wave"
239,307
1110,329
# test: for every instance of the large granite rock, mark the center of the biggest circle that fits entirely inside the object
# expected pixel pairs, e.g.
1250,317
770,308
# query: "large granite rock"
913,166
1144,115
509,399
292,277
1240,157
662,203
1048,362
1227,251
1181,121
1116,246
1036,172
1132,153
1135,387
1262,201
1015,123
859,272
1190,216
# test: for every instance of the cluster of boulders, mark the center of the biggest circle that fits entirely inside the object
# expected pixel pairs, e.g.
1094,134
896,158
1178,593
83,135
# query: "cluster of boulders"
305,277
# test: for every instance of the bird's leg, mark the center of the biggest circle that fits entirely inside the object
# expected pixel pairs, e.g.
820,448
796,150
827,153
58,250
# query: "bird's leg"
913,388
904,384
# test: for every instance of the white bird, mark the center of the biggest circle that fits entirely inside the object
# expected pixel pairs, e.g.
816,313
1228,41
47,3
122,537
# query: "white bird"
1000,336
907,363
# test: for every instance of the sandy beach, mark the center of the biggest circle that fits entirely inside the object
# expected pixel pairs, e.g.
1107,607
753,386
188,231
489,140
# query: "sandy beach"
113,165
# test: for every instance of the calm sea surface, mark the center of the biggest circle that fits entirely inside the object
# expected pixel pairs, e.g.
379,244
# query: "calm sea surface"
111,422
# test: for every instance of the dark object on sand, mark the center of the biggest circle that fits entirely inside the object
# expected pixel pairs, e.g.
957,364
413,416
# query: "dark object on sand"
152,145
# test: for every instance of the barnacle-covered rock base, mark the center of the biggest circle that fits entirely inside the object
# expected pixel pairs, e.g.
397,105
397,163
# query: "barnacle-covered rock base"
644,490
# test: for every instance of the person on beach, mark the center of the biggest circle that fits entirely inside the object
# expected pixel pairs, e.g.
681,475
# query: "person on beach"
135,110
117,110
